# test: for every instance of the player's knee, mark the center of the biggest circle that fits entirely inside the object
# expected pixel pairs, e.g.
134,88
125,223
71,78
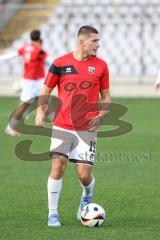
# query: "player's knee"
58,168
85,179
56,175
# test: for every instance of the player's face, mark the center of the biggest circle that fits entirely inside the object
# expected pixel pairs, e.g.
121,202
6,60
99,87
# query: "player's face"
91,44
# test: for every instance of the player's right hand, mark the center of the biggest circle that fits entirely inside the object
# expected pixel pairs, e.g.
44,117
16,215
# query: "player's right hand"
39,120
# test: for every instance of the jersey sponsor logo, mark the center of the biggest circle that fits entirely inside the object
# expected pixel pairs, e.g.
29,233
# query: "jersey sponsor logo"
70,69
91,70
84,85
63,70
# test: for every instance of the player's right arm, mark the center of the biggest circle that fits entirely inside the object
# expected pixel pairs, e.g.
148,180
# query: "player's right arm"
42,106
8,56
50,83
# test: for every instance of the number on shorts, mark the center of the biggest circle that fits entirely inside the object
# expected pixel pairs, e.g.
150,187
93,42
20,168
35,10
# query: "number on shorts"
92,146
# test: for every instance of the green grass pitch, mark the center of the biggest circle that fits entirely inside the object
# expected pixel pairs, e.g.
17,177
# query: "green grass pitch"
127,185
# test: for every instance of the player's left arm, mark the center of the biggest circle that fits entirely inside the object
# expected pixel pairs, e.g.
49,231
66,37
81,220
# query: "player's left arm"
42,106
105,101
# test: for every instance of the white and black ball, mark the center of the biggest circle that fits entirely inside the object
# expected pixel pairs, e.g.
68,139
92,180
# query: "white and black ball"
92,215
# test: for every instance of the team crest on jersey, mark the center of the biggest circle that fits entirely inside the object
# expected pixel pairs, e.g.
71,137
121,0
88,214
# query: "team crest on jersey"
91,70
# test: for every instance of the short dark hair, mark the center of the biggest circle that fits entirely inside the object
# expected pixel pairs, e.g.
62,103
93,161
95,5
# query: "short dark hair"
35,35
86,30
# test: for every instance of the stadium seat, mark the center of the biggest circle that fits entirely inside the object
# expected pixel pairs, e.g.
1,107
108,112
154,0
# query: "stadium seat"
121,26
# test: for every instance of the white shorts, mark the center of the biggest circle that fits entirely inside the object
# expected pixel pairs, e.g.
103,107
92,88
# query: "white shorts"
77,146
30,89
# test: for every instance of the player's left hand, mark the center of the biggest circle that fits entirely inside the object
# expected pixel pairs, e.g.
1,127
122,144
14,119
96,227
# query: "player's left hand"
94,123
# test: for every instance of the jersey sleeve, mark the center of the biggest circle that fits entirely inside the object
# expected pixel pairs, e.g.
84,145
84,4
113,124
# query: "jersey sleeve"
53,75
42,54
104,84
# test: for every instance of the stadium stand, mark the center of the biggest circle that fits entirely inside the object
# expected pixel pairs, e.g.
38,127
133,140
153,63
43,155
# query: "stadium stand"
5,13
23,17
130,38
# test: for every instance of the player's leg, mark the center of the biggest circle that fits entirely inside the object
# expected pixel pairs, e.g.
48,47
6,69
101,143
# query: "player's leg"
15,118
87,182
26,98
54,189
61,142
19,112
86,178
83,154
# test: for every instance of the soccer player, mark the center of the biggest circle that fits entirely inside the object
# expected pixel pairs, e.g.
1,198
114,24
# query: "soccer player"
34,72
80,76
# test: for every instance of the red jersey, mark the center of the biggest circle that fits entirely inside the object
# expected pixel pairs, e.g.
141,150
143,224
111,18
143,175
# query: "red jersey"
79,84
34,65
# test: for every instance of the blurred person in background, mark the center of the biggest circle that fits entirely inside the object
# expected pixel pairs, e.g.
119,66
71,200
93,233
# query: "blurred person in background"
33,77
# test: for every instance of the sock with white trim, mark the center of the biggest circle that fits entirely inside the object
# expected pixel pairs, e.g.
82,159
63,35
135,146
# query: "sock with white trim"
54,189
88,190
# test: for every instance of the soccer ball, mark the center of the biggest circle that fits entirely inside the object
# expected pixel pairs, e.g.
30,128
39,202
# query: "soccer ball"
92,215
